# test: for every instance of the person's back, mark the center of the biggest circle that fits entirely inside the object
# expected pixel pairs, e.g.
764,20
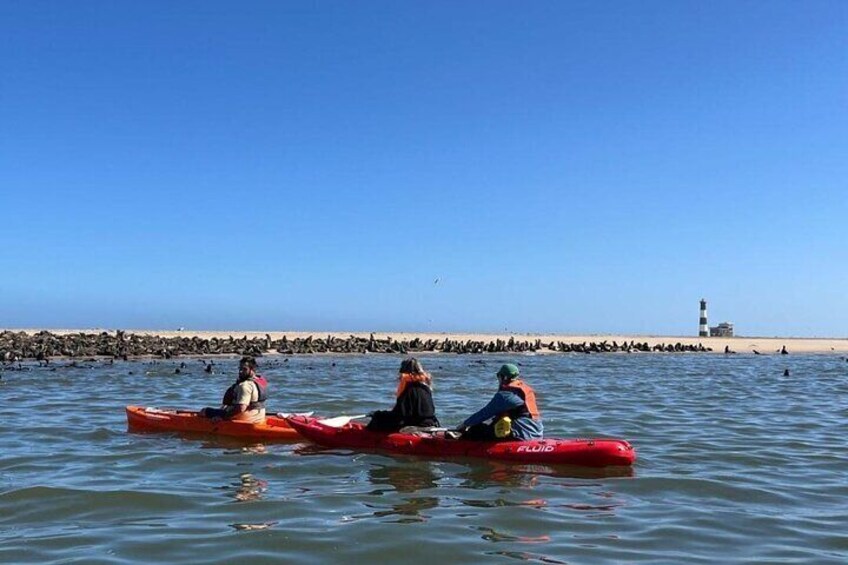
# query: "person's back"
510,414
248,393
414,405
526,420
525,428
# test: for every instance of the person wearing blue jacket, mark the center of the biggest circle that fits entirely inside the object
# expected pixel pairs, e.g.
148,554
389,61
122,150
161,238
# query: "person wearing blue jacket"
510,414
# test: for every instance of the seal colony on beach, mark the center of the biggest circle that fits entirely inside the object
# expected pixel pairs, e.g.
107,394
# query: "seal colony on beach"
43,345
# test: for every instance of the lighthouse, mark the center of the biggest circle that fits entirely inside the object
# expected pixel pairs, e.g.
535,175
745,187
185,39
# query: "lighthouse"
702,323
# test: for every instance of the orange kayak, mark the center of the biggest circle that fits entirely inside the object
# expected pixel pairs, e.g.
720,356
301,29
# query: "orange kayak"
148,419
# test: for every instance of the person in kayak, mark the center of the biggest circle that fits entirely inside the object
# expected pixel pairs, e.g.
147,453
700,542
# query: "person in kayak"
414,405
510,414
245,400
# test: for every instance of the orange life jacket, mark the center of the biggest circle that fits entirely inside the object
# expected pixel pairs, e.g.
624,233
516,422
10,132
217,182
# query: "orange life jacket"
407,379
526,393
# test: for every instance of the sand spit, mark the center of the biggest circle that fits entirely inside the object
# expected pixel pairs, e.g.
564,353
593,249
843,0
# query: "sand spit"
16,345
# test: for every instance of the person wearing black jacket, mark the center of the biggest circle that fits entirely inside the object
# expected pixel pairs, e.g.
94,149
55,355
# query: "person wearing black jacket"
414,405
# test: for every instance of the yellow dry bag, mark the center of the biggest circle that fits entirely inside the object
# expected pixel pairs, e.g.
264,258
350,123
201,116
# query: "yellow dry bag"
503,427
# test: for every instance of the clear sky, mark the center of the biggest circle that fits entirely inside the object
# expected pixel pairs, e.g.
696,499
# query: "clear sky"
557,166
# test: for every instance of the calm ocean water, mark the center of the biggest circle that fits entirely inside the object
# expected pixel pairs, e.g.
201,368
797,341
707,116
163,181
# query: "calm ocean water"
737,464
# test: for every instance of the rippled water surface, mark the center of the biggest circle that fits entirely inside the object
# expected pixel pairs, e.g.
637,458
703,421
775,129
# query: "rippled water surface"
737,463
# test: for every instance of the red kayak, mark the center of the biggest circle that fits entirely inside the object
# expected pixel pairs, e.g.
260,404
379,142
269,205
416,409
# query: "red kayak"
584,452
140,418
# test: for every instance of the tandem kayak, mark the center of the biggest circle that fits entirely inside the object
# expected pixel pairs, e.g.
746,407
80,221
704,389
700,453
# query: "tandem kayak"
583,452
146,419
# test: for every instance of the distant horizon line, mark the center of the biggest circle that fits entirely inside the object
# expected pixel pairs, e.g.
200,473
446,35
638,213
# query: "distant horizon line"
194,331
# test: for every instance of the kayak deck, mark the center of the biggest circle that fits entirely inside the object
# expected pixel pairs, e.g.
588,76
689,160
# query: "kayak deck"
582,452
149,419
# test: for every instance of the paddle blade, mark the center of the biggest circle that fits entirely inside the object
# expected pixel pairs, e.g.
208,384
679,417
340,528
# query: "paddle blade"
340,421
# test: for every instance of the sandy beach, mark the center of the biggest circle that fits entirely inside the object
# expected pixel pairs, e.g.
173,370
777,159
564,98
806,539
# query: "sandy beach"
740,344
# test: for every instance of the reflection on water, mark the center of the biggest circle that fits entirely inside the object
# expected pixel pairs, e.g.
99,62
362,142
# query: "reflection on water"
410,510
484,474
404,479
521,478
521,481
311,449
524,556
496,502
258,449
252,527
230,445
247,488
490,534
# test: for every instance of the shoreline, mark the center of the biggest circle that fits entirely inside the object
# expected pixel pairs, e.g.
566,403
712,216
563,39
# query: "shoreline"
74,343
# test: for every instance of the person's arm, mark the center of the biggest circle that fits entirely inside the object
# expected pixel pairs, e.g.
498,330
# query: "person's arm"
234,410
387,419
243,396
404,406
503,401
384,420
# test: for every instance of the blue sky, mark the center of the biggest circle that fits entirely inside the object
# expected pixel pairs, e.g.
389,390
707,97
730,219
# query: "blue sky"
559,166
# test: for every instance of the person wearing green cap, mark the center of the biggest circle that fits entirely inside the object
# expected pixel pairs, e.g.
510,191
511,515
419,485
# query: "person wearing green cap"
510,414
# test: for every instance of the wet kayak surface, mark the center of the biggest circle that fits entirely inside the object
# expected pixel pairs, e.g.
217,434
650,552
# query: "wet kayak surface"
736,463
149,419
436,445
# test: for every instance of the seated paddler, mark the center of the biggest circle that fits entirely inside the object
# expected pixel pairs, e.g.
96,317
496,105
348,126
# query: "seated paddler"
414,401
245,400
511,414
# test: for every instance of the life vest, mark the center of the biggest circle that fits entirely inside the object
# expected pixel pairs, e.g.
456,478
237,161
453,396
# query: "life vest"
526,393
407,379
261,386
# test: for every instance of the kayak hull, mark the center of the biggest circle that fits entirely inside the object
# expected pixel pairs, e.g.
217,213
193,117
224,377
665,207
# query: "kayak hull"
583,452
148,419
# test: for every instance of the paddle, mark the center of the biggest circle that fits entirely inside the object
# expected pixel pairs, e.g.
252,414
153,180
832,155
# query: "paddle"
167,410
421,430
340,421
290,414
